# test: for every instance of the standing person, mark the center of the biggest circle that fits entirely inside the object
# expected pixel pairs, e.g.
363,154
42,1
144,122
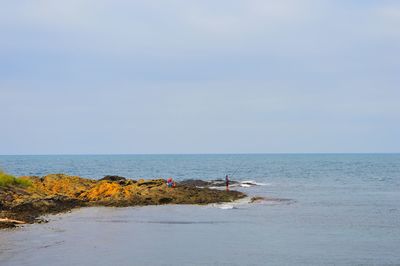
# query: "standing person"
227,182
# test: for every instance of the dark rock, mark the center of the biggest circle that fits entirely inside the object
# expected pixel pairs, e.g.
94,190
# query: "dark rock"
256,199
165,200
51,204
151,183
202,183
222,183
195,183
7,225
113,178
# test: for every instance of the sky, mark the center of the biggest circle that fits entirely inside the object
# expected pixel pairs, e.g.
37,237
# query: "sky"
201,76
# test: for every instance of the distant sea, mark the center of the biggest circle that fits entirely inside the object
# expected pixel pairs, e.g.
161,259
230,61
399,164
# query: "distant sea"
339,209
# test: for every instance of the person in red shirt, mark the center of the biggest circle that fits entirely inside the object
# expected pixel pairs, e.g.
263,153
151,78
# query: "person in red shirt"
170,182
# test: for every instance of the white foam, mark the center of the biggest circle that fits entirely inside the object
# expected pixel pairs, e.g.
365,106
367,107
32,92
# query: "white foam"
225,206
232,205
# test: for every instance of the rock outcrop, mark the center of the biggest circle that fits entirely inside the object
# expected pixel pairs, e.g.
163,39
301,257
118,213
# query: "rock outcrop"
57,193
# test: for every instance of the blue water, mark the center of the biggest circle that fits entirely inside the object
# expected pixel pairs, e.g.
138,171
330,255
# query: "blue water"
344,210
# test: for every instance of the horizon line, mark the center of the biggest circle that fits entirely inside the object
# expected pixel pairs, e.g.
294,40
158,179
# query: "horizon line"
239,153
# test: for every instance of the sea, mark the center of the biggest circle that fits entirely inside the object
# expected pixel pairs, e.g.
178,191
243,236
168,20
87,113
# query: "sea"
322,209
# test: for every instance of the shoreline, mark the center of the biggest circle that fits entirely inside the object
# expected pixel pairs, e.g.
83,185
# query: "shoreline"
58,193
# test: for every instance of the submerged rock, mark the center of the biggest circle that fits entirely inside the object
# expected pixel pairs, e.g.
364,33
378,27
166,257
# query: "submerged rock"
257,199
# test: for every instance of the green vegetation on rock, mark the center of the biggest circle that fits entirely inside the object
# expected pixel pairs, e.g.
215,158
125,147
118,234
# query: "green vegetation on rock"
9,180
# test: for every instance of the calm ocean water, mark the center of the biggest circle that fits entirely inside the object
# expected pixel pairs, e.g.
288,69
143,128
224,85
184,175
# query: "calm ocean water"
344,210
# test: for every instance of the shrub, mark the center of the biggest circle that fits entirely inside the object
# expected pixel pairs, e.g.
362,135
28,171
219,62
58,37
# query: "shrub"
23,182
6,179
9,180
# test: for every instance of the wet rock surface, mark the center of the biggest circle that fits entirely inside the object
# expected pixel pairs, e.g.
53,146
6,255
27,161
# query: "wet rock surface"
202,183
216,183
59,193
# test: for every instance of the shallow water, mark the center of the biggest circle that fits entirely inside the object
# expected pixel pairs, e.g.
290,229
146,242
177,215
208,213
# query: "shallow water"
343,210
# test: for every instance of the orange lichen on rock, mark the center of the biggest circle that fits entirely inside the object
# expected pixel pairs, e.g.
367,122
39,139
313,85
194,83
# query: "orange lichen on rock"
61,184
103,191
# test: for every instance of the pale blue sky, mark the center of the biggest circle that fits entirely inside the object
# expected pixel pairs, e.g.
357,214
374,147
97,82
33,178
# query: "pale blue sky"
255,76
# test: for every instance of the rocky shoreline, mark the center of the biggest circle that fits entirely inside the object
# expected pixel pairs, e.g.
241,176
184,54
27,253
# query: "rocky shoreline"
57,193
